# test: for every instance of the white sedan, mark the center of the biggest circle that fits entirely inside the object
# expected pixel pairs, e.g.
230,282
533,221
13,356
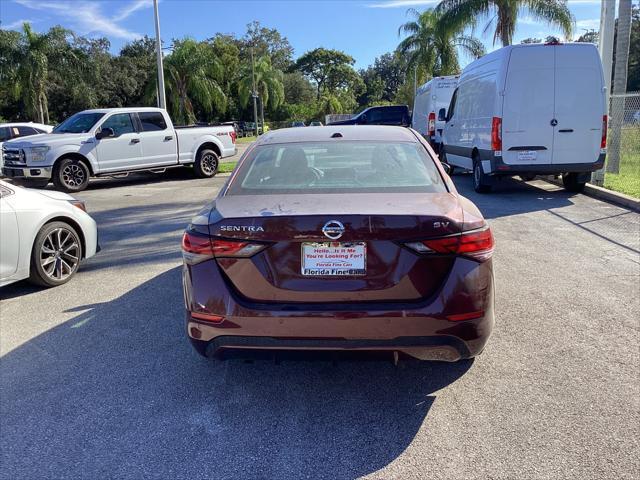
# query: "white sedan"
9,131
43,236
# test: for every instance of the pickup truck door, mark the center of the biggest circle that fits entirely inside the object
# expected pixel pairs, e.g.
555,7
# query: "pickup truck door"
159,141
124,150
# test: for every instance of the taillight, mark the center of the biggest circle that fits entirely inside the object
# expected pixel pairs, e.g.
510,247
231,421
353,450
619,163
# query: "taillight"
496,134
197,248
432,124
477,244
603,140
233,135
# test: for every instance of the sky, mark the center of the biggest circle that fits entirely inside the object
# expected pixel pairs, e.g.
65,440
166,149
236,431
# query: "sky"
364,29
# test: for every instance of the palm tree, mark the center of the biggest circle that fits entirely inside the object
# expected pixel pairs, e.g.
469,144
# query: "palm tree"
504,14
432,46
192,72
31,73
269,85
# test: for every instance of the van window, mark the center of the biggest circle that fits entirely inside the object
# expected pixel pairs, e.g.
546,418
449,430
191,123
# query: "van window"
26,131
152,121
452,105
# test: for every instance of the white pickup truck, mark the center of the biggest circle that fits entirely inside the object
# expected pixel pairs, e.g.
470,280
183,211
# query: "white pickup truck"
114,142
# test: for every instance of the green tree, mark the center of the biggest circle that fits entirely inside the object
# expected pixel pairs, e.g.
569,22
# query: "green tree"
633,73
503,15
268,82
267,42
328,69
432,45
297,89
192,74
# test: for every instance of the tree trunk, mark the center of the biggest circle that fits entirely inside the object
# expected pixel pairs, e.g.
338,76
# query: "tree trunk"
619,85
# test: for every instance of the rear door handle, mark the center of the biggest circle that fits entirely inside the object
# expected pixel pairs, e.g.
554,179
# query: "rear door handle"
135,140
168,137
566,130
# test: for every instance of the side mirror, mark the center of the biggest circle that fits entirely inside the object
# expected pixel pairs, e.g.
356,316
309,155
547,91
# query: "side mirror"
447,168
442,114
105,133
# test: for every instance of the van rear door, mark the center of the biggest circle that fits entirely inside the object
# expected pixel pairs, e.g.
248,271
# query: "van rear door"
528,107
579,104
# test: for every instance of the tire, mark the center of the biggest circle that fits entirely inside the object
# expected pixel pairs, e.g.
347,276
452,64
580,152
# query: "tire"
571,183
206,165
527,177
71,175
200,346
56,255
31,183
481,181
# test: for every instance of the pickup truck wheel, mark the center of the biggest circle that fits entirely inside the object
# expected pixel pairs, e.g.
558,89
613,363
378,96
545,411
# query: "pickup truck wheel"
71,175
206,165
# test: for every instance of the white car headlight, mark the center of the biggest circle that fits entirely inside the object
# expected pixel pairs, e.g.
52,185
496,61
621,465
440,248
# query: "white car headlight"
38,154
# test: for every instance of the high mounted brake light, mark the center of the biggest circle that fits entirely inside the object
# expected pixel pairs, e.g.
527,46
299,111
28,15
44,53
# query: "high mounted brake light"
477,244
603,140
197,248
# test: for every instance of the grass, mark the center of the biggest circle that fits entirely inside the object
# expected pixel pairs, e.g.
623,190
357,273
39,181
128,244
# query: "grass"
245,139
628,179
226,167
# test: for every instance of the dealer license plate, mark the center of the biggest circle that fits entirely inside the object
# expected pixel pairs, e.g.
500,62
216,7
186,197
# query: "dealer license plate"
334,258
527,155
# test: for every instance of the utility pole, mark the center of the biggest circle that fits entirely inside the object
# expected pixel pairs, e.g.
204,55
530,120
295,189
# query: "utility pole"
162,99
605,47
254,94
415,84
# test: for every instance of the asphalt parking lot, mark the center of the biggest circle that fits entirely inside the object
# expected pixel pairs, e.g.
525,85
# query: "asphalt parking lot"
99,381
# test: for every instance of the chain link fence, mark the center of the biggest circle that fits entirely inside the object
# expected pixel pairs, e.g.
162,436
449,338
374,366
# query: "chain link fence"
622,168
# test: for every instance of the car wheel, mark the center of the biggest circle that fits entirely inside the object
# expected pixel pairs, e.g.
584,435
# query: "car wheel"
71,175
527,177
481,181
571,183
206,165
56,255
31,182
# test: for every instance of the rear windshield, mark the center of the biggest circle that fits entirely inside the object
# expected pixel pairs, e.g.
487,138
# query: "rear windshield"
337,167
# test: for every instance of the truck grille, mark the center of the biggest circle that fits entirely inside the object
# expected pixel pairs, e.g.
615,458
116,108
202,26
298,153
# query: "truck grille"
13,157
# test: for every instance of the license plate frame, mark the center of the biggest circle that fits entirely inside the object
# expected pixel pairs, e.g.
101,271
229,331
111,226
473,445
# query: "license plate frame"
356,265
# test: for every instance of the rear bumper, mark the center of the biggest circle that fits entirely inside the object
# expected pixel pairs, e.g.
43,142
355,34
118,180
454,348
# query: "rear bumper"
498,167
420,330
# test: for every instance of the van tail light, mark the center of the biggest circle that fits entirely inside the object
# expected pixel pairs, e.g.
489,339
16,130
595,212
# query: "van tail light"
477,244
496,134
197,248
603,140
233,135
431,125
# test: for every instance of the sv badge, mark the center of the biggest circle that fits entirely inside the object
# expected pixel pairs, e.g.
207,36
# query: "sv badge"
440,224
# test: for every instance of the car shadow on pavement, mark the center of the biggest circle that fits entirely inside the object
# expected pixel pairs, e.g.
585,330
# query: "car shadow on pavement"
117,392
511,197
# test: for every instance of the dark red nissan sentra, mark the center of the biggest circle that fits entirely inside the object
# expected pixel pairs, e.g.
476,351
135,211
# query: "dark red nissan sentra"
340,237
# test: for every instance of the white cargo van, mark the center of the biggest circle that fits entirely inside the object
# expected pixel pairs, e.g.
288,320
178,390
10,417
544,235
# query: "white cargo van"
529,110
430,108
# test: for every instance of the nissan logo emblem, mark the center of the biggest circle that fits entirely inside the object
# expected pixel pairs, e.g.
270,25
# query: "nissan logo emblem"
333,229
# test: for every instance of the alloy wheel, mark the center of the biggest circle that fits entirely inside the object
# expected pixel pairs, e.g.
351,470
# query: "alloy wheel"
60,254
209,164
73,175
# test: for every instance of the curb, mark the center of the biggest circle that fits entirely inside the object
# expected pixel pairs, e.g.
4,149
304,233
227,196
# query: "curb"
607,195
